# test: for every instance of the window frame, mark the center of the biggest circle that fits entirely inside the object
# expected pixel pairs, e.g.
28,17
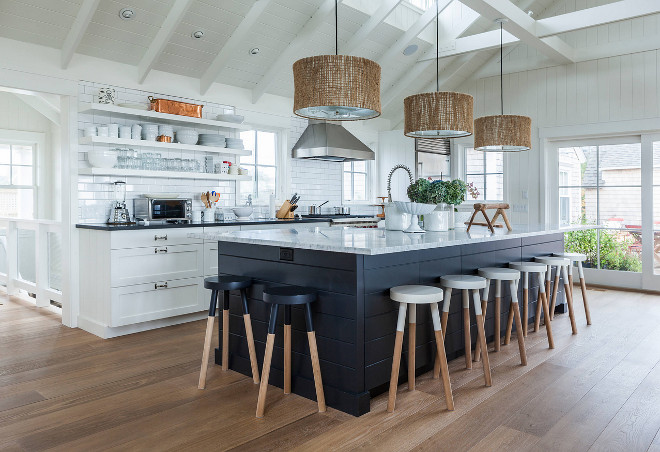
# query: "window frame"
367,177
37,140
485,174
279,165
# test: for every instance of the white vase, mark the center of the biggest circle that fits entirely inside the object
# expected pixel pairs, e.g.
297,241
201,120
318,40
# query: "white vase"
395,220
437,221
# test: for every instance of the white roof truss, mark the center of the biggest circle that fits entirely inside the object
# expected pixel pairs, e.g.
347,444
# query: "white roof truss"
77,30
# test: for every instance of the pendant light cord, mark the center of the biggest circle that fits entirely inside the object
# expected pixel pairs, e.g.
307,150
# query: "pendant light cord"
501,71
437,46
336,29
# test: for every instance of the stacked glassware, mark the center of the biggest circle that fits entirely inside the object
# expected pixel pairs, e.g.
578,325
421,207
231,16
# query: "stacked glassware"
154,161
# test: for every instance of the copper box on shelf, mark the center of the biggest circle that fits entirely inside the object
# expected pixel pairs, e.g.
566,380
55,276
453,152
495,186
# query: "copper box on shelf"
175,107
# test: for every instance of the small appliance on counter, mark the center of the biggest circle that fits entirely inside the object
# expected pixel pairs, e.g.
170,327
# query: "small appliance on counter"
119,213
171,210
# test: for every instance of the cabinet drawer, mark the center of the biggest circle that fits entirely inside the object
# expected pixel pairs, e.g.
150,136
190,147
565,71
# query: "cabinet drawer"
155,263
153,237
144,302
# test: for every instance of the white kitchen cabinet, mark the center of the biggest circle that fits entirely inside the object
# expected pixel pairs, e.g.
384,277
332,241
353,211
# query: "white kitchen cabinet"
152,237
141,265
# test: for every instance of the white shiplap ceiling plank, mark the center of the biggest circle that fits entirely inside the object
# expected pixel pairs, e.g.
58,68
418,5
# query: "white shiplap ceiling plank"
370,25
77,30
162,37
293,50
237,37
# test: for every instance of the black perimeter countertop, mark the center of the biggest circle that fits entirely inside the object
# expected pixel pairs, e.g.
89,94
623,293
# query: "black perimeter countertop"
137,227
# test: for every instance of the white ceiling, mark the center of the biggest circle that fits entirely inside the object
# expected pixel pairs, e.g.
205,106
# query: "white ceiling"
106,35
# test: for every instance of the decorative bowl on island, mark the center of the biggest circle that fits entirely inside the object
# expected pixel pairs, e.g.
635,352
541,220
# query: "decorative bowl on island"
414,209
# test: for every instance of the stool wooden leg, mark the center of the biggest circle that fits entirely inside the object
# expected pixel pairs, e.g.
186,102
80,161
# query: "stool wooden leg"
250,338
583,286
466,330
207,341
555,288
519,330
543,301
287,349
396,357
569,300
498,313
445,316
548,279
225,331
525,304
441,357
412,323
482,337
484,307
316,367
265,372
509,325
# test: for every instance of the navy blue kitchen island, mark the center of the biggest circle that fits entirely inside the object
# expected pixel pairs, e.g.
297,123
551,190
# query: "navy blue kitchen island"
353,270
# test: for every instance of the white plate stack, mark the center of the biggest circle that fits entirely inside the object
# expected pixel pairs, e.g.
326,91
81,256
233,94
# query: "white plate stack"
149,132
234,143
211,139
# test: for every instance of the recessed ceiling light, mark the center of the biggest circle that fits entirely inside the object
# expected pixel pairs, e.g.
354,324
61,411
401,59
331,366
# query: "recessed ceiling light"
198,34
126,13
412,48
254,51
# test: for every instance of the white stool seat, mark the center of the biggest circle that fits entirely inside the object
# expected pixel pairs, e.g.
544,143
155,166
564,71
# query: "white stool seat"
463,282
553,260
528,267
416,294
502,274
573,257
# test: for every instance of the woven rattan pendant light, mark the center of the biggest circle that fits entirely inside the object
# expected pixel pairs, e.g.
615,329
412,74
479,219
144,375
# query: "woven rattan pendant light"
336,87
503,133
438,114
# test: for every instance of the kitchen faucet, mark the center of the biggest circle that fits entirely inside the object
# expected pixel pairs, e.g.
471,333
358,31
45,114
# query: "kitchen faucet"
249,201
389,179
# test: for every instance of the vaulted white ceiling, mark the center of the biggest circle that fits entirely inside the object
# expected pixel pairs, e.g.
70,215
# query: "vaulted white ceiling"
158,37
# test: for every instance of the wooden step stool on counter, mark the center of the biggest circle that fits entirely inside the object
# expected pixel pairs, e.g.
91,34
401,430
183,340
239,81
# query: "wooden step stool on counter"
409,297
501,210
288,296
225,284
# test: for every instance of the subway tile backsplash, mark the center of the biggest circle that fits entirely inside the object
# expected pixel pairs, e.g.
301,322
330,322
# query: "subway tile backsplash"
314,181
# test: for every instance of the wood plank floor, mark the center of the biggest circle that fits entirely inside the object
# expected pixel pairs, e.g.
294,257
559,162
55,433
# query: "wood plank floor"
65,389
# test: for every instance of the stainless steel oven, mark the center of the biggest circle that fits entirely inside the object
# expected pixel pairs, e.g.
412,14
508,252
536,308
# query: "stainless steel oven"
155,209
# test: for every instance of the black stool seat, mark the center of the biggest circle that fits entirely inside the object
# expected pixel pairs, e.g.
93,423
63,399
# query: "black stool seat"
229,282
289,295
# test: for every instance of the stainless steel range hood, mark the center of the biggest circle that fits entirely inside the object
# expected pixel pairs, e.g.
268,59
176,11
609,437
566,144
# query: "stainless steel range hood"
327,141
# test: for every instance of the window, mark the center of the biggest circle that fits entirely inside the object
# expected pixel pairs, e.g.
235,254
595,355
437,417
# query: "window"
355,181
261,165
17,181
486,171
564,199
432,158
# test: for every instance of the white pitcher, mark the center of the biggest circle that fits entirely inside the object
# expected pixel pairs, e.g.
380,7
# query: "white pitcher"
395,220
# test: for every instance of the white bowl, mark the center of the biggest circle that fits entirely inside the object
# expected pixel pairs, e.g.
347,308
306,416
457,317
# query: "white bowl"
414,209
102,158
187,137
238,119
242,212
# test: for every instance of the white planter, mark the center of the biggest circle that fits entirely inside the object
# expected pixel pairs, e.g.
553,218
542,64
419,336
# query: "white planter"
437,221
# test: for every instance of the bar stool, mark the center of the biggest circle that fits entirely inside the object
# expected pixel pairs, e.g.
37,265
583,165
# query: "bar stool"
561,265
499,275
289,296
467,283
225,284
538,269
409,297
577,258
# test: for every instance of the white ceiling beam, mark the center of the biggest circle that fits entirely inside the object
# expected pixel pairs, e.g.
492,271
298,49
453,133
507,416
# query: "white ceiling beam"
415,29
42,106
236,39
150,57
598,15
370,25
77,30
292,52
523,27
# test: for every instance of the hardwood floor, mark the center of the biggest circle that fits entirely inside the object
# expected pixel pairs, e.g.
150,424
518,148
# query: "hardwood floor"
65,389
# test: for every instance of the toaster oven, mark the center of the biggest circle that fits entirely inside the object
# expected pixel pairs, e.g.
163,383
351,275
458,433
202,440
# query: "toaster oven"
156,209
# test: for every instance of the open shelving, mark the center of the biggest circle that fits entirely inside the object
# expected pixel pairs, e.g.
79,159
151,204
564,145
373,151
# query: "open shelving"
161,145
162,174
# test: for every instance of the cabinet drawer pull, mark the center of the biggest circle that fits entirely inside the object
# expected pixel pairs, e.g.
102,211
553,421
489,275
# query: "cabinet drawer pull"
160,286
160,237
160,250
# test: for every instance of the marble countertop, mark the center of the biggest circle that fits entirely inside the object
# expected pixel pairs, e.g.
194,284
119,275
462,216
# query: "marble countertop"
375,241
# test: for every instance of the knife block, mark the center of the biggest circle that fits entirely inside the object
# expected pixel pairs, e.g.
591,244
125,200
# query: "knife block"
286,211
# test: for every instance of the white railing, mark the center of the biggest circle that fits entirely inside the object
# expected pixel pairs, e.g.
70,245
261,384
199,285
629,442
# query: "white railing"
31,264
